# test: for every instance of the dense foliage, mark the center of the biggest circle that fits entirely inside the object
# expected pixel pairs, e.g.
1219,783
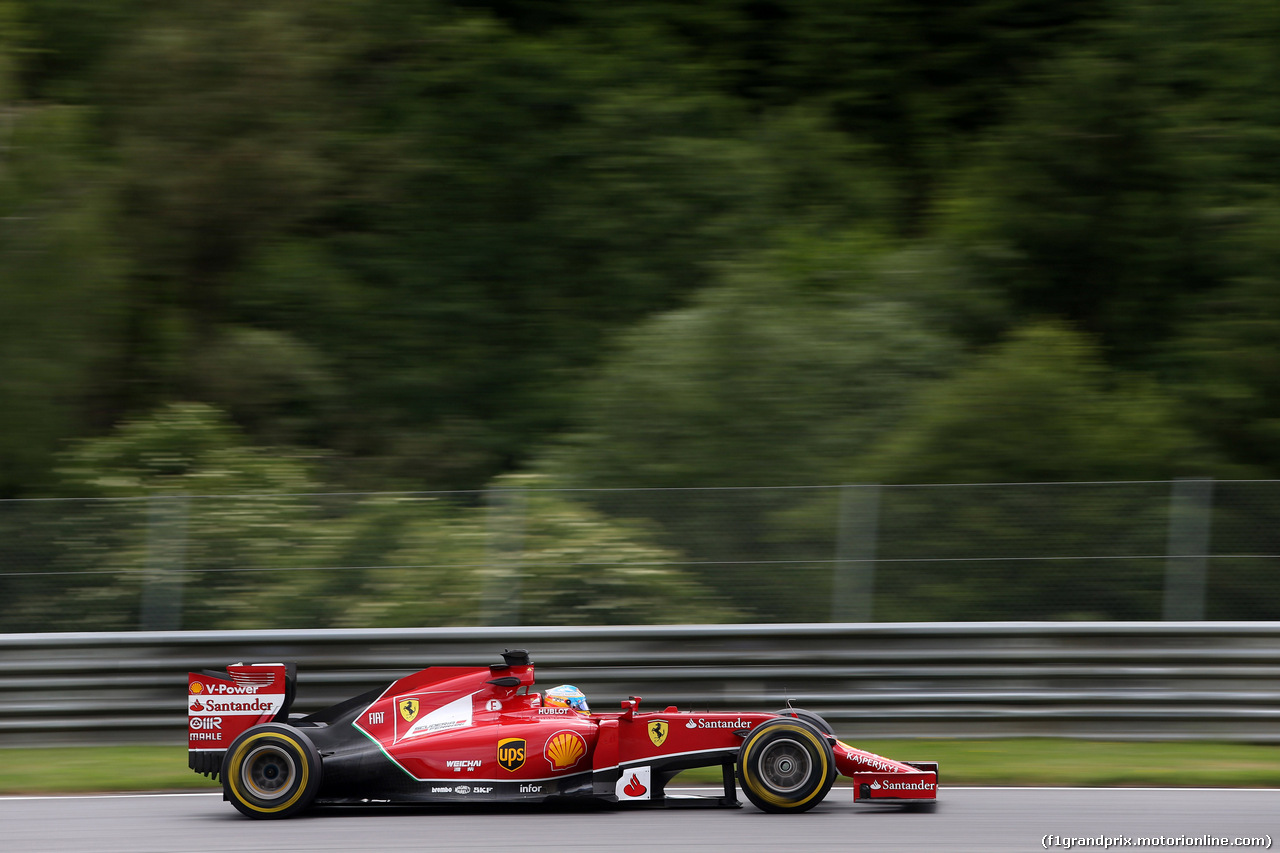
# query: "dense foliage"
381,244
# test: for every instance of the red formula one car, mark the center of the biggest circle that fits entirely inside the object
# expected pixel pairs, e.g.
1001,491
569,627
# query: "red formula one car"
464,735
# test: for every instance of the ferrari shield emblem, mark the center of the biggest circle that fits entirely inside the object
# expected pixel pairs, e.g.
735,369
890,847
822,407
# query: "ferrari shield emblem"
408,709
658,732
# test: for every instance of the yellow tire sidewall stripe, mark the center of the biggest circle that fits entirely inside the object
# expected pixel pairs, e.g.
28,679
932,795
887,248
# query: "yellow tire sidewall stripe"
237,759
761,790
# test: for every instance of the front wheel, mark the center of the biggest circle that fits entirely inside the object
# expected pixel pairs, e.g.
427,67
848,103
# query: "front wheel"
786,765
809,717
271,771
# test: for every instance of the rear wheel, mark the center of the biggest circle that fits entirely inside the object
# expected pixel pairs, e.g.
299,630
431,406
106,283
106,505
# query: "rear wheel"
271,771
786,765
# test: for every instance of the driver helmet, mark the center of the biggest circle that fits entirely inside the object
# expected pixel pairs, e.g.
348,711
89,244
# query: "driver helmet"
567,696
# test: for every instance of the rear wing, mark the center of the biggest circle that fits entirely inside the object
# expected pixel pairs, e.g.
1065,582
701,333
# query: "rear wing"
221,705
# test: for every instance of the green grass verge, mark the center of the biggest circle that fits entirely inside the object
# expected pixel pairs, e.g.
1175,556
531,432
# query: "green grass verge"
1028,761
70,769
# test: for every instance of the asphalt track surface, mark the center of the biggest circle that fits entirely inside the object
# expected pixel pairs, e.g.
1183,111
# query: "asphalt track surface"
988,820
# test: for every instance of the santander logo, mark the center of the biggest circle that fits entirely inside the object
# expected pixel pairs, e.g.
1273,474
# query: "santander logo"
902,786
634,784
634,788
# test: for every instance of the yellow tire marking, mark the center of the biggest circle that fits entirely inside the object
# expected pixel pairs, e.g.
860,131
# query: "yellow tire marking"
761,790
238,759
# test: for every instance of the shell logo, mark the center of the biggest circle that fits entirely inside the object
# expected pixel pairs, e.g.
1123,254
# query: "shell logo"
564,749
197,687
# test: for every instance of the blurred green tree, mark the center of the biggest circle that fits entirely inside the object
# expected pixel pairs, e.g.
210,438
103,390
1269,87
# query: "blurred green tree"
154,524
67,43
770,379
1225,360
763,380
1041,408
428,214
748,243
916,80
538,557
60,288
185,517
216,115
1084,208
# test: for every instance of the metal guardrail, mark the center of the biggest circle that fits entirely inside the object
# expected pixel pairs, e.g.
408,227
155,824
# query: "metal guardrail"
1142,680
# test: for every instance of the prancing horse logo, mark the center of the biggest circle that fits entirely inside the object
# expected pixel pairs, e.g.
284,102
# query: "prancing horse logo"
658,731
408,709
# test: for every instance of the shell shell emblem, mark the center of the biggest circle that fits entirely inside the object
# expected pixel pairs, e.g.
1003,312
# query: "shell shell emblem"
197,687
564,749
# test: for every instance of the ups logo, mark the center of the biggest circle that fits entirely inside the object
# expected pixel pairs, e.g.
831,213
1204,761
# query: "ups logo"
511,753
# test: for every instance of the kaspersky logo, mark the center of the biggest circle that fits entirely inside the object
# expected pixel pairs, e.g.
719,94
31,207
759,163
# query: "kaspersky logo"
874,762
658,731
408,709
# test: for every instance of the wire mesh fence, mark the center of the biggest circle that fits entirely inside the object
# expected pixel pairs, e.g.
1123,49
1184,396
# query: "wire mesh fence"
1183,549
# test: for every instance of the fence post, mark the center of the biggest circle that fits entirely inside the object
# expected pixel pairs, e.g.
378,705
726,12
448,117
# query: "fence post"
1190,517
161,605
853,585
500,604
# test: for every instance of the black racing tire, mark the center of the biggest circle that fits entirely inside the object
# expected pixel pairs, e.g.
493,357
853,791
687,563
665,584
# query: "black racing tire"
809,717
786,765
271,771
